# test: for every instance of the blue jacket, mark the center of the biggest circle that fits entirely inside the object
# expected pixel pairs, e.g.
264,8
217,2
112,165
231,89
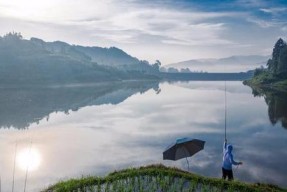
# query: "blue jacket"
228,157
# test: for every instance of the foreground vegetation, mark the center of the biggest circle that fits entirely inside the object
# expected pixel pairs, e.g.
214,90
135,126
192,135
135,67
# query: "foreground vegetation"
155,178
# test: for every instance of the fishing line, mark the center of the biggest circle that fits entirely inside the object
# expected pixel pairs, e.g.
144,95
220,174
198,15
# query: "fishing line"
0,178
28,165
13,180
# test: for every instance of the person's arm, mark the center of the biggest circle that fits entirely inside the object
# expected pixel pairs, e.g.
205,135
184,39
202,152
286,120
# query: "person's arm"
224,145
234,162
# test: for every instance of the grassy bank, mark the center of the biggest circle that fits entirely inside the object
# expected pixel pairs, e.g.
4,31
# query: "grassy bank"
155,178
266,79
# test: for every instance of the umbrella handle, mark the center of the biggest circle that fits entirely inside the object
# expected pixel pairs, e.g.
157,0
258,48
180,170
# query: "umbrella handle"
186,159
187,164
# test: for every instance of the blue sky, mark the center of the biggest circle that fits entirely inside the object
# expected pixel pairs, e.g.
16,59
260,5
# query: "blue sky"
167,30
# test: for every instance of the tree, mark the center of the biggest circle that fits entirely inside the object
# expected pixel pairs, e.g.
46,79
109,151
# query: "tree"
13,36
282,61
186,70
270,64
158,62
278,64
156,66
163,69
258,71
172,70
275,65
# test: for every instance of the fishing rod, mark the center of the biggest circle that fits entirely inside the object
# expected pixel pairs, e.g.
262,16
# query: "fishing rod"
28,165
225,115
225,110
13,180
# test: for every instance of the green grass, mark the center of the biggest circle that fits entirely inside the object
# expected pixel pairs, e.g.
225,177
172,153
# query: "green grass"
155,178
266,79
282,83
262,79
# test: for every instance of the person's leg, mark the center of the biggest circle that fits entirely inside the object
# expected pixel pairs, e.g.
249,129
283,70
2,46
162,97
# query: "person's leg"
230,175
224,174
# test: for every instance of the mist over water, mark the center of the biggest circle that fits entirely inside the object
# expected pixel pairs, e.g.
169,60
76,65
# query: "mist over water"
96,129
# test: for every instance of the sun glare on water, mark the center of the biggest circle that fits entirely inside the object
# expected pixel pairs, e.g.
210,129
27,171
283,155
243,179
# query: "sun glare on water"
28,159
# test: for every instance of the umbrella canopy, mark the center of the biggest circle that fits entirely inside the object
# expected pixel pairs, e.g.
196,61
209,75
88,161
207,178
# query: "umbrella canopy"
183,148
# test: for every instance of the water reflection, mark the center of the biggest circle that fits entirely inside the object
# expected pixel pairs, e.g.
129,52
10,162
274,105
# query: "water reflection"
277,104
131,126
21,107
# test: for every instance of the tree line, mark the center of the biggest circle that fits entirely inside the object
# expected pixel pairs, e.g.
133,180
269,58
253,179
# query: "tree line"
277,65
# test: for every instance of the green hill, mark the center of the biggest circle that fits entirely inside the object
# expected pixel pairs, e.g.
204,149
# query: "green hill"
36,62
156,178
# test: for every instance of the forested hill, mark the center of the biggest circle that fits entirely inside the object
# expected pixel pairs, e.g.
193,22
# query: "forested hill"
275,73
37,61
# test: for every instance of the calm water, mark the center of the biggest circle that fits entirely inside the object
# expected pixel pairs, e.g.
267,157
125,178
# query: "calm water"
95,129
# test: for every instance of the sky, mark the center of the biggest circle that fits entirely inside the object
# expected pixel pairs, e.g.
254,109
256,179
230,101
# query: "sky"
165,30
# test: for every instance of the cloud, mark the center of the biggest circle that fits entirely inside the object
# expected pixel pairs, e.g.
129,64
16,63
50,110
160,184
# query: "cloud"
126,21
182,28
251,3
123,36
149,30
267,23
273,10
284,28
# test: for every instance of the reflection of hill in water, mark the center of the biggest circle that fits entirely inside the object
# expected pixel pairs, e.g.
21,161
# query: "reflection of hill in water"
22,106
277,104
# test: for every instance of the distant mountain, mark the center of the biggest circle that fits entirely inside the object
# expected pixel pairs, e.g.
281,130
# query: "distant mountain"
108,57
229,64
113,56
37,61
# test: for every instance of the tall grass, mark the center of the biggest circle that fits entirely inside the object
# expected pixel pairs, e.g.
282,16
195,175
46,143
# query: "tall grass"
155,178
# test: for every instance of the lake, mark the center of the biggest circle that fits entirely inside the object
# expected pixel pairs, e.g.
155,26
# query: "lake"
94,129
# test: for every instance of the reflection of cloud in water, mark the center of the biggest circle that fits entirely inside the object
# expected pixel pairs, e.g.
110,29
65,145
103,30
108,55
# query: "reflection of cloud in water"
99,139
253,123
263,154
231,86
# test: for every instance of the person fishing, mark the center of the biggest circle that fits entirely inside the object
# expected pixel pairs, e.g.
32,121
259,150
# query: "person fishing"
228,161
227,149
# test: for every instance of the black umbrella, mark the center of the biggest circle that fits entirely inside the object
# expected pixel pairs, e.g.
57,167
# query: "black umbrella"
183,148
